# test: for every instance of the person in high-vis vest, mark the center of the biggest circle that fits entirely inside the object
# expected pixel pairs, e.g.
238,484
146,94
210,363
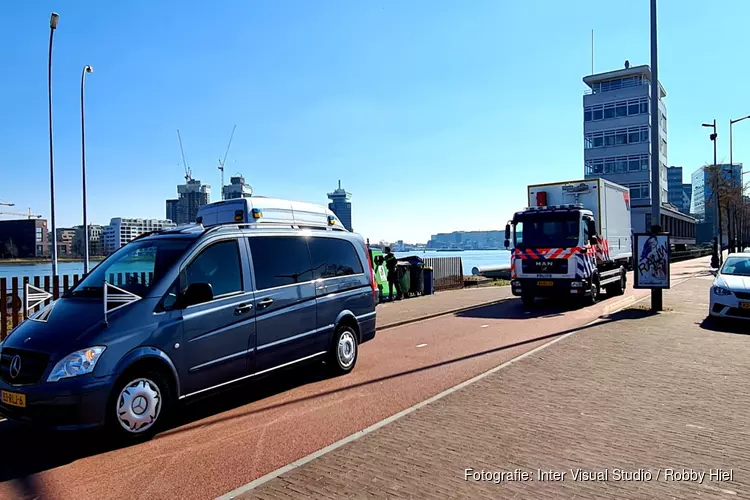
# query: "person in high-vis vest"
390,265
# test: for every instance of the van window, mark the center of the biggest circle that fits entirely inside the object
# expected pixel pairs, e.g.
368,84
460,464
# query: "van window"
136,267
220,266
279,261
333,257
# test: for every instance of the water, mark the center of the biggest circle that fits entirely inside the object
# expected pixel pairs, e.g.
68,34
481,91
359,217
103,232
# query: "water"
42,269
469,258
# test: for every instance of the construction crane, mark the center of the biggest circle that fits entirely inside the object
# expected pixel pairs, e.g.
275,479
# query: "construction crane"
223,162
188,173
21,214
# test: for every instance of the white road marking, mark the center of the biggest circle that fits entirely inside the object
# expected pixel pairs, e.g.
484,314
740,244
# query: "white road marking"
352,437
421,345
484,326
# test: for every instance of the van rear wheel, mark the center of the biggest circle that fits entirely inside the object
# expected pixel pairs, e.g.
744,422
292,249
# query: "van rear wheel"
344,350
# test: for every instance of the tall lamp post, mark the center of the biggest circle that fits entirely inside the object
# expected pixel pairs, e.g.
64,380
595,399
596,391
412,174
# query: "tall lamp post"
656,293
52,26
86,69
715,177
742,185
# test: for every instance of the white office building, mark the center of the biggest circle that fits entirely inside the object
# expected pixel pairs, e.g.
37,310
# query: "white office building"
617,145
121,230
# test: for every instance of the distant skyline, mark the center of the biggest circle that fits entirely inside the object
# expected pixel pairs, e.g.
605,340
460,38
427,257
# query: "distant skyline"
444,110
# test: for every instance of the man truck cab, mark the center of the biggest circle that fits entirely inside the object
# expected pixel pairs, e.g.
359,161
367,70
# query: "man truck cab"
573,240
183,311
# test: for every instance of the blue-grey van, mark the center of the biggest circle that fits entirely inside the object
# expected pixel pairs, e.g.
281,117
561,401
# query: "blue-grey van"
184,311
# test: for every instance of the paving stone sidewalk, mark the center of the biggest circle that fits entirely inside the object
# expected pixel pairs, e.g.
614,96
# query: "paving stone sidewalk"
637,392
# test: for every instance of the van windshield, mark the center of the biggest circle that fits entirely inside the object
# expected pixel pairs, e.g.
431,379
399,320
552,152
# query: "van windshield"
136,267
547,230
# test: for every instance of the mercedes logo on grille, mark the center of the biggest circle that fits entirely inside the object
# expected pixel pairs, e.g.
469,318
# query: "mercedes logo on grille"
15,366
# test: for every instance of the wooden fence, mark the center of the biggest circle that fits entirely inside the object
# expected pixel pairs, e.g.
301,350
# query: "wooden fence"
12,290
447,272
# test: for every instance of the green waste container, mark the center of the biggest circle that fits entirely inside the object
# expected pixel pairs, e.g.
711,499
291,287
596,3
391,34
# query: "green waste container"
403,270
381,274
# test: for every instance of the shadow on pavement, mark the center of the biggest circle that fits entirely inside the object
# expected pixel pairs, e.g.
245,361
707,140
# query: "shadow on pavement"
514,309
36,451
725,325
26,451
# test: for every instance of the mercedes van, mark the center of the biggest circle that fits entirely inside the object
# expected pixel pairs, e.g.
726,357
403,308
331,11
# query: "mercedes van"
186,310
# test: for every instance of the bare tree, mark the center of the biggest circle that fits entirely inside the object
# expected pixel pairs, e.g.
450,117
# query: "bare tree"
723,184
11,250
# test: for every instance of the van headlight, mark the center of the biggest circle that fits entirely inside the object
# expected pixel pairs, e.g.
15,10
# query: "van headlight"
76,363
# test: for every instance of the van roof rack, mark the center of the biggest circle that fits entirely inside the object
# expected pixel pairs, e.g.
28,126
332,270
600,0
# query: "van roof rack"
267,225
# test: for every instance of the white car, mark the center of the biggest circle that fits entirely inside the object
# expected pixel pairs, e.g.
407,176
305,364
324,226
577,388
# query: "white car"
730,292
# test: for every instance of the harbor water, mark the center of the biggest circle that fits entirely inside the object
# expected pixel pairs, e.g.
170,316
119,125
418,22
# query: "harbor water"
469,259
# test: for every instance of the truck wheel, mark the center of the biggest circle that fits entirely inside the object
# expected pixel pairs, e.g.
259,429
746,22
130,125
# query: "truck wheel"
618,288
528,300
593,297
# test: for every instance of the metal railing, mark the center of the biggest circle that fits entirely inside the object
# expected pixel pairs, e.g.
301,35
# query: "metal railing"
447,272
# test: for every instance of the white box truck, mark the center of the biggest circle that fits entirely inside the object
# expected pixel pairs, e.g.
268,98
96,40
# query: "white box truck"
573,239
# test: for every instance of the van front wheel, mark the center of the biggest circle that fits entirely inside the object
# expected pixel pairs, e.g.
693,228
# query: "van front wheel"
138,404
343,354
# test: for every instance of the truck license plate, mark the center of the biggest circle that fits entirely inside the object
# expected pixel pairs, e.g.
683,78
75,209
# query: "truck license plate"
745,305
544,283
14,399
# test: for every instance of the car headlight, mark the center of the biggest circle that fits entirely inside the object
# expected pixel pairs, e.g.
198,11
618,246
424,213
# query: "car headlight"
721,291
76,363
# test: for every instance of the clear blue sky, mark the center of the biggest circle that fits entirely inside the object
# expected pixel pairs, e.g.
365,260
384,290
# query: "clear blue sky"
463,103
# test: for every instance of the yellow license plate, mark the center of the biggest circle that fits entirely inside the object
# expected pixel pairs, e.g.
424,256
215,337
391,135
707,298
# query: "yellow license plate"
745,305
544,283
14,399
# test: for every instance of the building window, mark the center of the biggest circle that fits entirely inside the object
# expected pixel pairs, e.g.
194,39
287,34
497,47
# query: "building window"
619,109
616,164
616,137
639,190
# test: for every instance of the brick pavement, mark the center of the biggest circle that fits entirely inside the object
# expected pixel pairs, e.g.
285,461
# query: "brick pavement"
633,392
417,308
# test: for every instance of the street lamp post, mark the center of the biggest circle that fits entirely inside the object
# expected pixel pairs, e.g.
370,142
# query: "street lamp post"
656,293
742,185
52,26
86,69
715,178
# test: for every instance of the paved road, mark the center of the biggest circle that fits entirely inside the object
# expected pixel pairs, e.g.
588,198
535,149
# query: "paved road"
224,441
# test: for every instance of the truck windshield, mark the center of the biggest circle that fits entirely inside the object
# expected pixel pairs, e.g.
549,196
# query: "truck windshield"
136,267
547,230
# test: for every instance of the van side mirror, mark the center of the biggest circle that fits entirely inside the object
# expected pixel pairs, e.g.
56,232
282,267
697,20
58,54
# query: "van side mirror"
196,293
507,234
379,260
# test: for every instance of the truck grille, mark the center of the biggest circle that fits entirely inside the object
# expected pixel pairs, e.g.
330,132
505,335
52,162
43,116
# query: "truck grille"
544,266
33,365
